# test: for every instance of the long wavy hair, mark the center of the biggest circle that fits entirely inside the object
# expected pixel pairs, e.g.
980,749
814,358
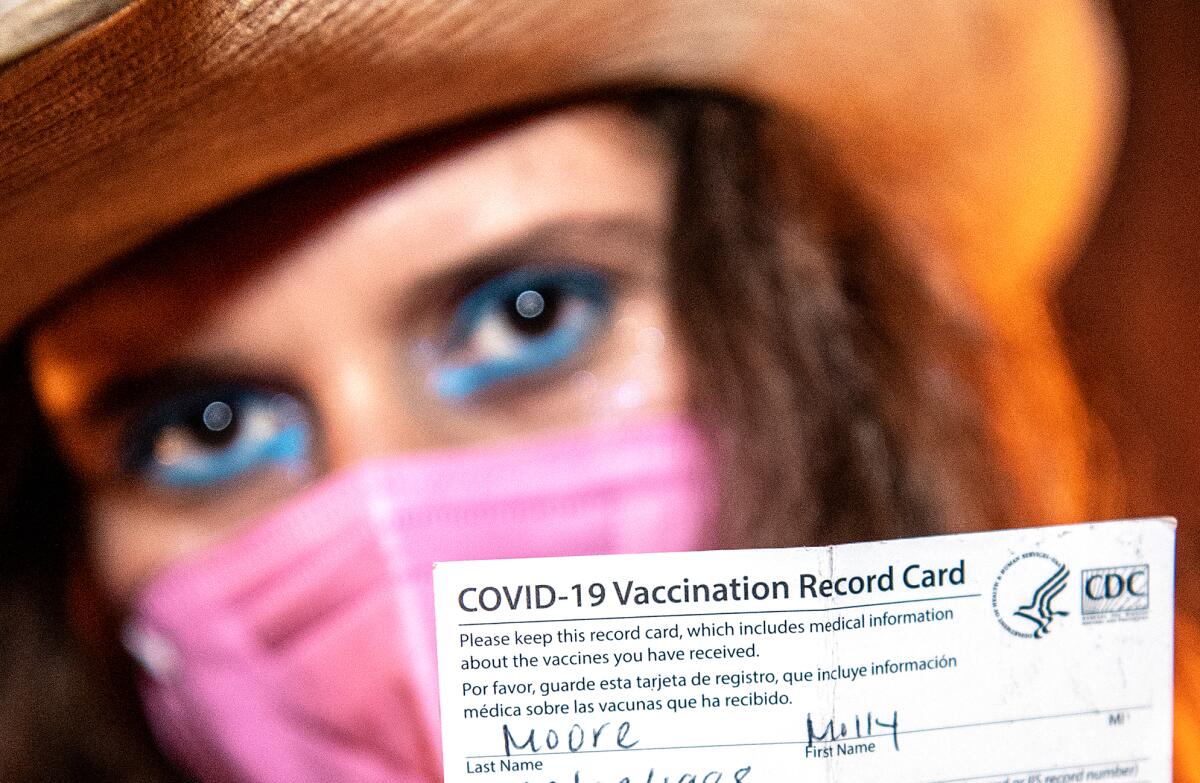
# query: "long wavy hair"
841,401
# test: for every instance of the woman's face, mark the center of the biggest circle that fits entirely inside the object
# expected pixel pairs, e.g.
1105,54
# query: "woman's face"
505,286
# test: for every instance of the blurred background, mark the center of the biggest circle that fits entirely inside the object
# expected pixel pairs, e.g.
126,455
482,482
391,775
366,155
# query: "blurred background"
1130,309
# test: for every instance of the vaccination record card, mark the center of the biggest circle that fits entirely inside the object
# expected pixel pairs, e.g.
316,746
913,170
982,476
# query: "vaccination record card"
1040,655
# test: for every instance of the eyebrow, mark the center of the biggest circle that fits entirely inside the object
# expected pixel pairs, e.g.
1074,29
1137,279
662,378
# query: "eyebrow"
132,389
637,226
554,235
547,239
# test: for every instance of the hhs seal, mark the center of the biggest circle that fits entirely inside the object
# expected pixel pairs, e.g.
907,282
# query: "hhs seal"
1027,594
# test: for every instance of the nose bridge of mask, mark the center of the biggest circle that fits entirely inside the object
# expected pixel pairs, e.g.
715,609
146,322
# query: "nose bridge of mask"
597,492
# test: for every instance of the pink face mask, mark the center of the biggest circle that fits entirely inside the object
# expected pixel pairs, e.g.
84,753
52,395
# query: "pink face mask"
303,650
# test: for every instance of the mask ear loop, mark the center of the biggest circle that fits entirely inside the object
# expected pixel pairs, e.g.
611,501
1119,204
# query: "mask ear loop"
414,618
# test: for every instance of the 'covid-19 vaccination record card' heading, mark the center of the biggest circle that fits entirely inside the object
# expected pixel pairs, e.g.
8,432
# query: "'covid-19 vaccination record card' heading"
1041,655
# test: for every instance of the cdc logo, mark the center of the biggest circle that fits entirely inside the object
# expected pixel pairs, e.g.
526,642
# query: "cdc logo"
1115,593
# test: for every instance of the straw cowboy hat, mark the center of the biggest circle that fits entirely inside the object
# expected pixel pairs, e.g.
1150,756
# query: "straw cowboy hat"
975,130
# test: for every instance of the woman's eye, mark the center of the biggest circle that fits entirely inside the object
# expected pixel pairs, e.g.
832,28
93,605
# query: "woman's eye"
518,324
205,438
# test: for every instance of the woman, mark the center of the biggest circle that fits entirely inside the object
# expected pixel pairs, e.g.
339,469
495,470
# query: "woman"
783,311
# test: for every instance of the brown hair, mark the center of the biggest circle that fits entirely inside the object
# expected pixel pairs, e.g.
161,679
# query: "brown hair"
842,404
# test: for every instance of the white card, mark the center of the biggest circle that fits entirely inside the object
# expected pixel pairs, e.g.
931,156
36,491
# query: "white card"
1041,655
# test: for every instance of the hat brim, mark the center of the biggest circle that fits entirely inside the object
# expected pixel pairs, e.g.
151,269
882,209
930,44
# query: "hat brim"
975,129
